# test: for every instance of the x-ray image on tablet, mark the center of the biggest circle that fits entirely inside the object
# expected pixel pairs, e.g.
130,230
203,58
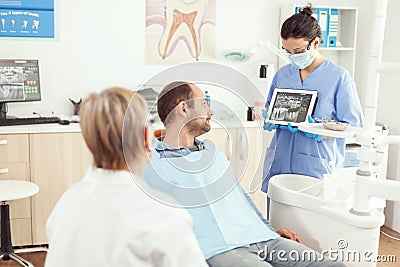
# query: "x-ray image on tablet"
291,105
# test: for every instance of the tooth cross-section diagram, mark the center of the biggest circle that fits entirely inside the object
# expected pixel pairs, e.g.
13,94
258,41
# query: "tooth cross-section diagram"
179,30
178,19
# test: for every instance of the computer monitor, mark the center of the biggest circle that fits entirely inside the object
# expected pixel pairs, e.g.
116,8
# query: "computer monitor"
19,82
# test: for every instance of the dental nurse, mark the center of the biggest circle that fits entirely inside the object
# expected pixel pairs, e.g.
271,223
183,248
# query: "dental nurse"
294,151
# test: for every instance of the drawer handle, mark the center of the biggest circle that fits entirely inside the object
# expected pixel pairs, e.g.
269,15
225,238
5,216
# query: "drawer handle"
229,144
242,152
3,142
5,170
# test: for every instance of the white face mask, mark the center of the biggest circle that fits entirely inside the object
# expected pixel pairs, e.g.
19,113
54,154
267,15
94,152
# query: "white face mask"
302,60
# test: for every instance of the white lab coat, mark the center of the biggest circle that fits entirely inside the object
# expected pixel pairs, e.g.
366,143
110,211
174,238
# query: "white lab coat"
107,220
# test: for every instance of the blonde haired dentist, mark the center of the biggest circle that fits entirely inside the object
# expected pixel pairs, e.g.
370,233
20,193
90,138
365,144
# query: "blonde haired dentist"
106,219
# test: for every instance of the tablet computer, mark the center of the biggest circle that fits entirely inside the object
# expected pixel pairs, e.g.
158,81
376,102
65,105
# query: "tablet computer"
291,105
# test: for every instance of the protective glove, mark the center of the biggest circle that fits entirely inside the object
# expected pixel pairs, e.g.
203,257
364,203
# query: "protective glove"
268,126
316,137
289,128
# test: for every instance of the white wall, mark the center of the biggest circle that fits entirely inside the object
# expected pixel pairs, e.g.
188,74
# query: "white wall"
100,44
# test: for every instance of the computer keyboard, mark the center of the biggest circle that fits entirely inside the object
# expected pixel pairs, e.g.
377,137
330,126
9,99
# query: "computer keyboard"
26,121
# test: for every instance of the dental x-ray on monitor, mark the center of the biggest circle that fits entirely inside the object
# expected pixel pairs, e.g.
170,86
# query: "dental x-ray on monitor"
19,82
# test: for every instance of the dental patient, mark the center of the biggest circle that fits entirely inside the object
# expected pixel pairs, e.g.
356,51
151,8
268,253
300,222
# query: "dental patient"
229,228
106,219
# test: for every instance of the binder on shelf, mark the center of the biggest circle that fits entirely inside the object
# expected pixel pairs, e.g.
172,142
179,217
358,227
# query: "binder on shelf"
333,27
323,21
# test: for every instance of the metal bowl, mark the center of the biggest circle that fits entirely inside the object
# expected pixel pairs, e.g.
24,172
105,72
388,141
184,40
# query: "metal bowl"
335,125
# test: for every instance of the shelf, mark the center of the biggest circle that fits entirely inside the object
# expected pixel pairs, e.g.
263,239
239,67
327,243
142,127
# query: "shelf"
346,33
336,48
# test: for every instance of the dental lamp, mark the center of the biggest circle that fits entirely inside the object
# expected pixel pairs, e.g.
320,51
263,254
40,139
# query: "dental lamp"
243,55
274,49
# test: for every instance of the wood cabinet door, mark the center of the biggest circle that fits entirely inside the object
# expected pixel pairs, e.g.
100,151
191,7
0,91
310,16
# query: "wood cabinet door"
224,138
20,209
251,144
14,148
21,231
14,165
57,161
245,149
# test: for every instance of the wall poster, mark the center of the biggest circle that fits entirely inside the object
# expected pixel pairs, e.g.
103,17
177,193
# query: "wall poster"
27,18
179,31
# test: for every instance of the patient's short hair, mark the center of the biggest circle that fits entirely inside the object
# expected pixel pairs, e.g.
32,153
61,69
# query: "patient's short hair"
169,98
102,118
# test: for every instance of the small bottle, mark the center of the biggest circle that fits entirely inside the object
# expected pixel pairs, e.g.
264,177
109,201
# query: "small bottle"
263,71
207,98
250,114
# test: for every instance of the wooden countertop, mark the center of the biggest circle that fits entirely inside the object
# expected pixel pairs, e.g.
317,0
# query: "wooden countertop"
41,128
75,128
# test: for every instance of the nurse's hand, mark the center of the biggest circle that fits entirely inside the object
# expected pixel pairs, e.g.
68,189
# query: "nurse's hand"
310,119
289,234
289,128
265,114
316,137
268,126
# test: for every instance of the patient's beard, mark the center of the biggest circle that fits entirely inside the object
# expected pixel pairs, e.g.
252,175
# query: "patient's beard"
198,126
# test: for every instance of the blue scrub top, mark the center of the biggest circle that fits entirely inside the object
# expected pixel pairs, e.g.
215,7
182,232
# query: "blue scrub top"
337,100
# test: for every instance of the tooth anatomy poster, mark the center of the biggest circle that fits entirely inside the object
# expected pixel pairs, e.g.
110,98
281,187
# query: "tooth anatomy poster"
179,31
27,18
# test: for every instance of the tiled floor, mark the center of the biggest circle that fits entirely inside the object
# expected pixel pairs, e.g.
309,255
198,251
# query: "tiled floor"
387,247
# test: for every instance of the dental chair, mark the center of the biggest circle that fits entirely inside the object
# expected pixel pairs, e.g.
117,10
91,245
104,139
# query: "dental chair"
159,132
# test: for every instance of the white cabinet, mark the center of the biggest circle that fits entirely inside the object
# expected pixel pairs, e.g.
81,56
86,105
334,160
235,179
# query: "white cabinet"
345,51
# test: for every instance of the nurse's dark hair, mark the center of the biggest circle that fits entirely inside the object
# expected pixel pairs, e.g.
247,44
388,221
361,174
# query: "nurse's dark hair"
301,25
